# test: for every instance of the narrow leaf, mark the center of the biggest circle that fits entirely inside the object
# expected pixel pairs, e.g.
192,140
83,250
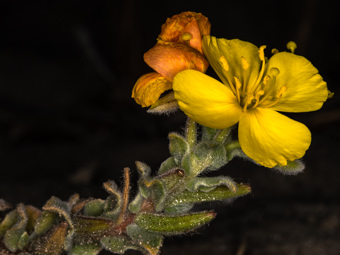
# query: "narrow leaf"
219,193
172,225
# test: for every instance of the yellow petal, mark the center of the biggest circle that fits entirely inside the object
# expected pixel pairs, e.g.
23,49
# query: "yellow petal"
306,90
233,58
149,87
271,138
206,100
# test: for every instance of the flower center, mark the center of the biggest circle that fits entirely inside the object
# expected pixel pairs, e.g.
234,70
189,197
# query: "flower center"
263,92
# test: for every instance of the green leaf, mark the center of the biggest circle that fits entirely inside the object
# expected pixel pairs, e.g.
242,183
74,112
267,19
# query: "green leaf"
113,202
292,167
94,207
9,220
173,225
143,169
166,165
136,203
91,226
219,193
118,244
45,222
53,242
178,146
207,184
23,241
85,249
13,235
55,205
151,242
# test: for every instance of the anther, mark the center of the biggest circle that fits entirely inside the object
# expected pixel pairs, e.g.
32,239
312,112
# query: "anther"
291,46
224,63
244,63
274,51
186,36
274,71
261,52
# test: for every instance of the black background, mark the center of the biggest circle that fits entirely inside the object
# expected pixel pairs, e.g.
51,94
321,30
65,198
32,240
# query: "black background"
68,123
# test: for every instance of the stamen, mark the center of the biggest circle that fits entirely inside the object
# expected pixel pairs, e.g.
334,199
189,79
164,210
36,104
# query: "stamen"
291,46
238,86
257,98
244,63
186,36
261,55
224,63
274,51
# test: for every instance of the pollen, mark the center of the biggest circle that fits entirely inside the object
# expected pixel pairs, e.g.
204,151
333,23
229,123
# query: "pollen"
261,52
186,36
245,64
224,63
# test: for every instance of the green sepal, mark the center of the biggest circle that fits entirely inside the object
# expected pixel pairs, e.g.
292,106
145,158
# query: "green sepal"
85,249
178,146
151,242
91,226
207,184
94,207
45,222
12,236
166,165
118,244
233,149
62,208
9,220
191,132
292,167
206,155
212,154
208,134
173,225
219,193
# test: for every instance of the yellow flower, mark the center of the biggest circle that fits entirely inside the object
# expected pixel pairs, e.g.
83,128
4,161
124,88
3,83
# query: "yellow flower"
252,92
178,47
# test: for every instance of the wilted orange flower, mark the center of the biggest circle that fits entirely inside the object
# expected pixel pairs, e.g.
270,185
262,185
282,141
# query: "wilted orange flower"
178,47
186,27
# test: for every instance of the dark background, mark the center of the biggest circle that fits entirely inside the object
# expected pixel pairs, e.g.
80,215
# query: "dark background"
67,122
